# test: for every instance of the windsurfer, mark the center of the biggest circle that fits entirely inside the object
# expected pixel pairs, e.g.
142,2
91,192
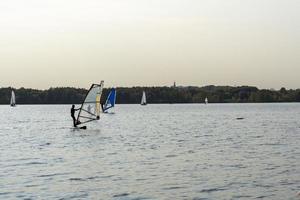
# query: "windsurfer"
73,115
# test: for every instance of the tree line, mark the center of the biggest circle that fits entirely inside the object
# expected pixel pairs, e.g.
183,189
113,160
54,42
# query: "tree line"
126,95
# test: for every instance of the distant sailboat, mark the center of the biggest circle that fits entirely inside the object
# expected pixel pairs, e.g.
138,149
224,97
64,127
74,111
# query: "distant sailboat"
143,101
13,99
110,101
206,100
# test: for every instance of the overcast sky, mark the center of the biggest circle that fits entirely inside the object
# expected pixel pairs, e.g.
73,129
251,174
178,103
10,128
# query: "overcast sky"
46,43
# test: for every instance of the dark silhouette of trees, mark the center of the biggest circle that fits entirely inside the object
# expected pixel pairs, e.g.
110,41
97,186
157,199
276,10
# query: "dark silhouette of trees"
215,94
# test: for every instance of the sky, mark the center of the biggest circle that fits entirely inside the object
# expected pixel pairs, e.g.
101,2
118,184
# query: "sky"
53,43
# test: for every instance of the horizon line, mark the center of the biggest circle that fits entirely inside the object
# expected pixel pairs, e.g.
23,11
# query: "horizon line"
155,86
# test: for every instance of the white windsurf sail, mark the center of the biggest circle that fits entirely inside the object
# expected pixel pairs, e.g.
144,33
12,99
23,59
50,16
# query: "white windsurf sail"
206,100
90,108
143,101
13,99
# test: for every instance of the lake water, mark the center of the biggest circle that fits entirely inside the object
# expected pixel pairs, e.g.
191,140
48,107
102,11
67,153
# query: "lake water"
152,152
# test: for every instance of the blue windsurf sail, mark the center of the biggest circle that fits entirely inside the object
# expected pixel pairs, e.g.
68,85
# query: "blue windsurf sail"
111,100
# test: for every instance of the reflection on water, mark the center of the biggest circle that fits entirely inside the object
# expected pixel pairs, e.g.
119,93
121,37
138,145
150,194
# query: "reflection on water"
215,151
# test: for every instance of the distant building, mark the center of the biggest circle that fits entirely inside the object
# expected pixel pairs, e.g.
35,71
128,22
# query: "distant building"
174,85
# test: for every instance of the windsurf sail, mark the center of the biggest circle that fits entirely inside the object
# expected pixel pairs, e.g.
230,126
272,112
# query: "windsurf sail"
13,99
111,100
143,101
90,108
206,100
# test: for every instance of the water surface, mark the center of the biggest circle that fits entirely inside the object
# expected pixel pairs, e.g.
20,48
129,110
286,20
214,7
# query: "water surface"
152,152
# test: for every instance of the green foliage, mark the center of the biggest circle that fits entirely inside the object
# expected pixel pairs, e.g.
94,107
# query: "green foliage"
215,94
50,96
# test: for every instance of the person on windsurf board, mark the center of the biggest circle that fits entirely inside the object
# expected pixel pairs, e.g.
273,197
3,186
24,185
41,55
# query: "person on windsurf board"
73,110
90,107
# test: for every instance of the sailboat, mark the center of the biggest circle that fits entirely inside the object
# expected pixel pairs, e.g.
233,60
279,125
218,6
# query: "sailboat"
143,101
206,100
90,107
13,99
110,101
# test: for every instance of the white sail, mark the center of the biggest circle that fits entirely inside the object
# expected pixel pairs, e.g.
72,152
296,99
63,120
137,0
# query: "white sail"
206,100
143,101
13,99
90,108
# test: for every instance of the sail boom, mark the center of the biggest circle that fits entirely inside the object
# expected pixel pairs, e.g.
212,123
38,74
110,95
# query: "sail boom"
88,113
87,121
108,107
88,118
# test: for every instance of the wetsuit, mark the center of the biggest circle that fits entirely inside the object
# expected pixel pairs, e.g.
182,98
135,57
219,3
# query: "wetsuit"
73,116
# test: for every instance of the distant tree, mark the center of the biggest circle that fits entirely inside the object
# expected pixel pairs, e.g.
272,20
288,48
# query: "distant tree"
283,90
